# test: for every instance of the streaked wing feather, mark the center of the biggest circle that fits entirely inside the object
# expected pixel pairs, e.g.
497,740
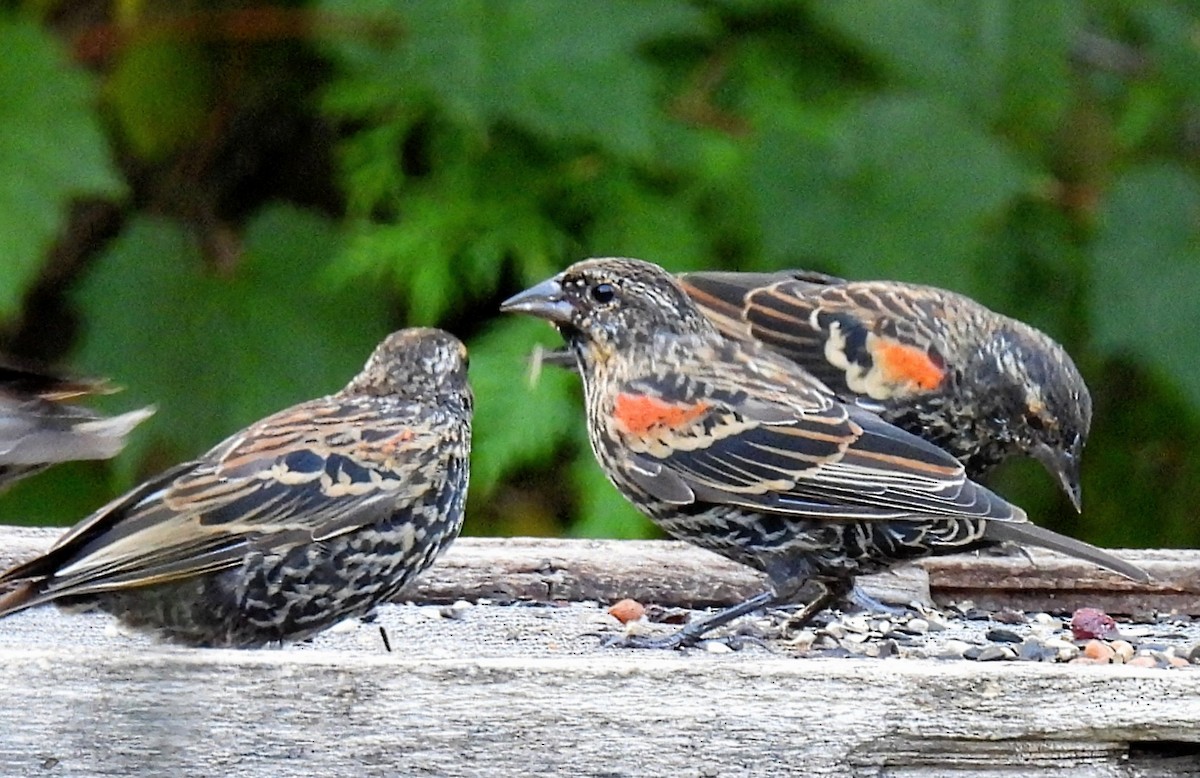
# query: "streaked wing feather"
309,470
812,461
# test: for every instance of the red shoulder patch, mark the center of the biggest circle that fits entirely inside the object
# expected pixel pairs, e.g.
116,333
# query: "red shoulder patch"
908,364
637,414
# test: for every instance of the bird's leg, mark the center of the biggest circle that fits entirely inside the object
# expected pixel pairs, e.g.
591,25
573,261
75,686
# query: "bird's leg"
694,631
829,593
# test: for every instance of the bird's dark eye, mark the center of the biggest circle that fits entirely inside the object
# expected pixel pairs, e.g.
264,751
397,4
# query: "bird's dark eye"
604,293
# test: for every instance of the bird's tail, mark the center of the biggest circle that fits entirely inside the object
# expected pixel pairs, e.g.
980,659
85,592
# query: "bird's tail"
25,595
1032,535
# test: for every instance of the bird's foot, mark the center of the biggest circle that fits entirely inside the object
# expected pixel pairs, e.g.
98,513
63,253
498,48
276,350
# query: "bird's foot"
670,642
679,640
865,602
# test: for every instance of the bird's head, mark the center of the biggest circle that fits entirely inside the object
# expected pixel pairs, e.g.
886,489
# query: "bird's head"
606,305
419,362
1053,408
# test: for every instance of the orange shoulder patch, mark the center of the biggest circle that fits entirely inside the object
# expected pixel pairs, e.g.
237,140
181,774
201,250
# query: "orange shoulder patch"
908,364
637,414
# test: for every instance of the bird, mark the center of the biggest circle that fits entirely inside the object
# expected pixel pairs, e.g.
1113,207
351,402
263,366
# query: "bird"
981,385
732,447
308,517
39,427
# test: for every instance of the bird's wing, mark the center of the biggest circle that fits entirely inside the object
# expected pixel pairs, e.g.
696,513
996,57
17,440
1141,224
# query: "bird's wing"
719,438
312,472
871,340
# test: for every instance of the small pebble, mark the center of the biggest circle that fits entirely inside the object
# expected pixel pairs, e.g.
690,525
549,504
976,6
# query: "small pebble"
1194,655
1009,617
1092,623
835,631
1033,650
921,626
1064,651
1046,620
956,648
856,624
1137,631
1101,652
1177,661
973,652
889,648
935,624
999,635
1085,660
430,612
1123,650
803,639
627,610
1142,660
717,647
995,653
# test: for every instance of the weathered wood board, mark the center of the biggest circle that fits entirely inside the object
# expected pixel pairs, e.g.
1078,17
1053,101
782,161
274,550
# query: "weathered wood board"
525,689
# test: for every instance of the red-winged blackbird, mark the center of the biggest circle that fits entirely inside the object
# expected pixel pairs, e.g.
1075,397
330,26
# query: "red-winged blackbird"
934,363
38,427
729,446
310,516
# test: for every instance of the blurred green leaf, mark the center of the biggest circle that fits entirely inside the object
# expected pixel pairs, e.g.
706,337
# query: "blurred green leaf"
567,70
216,351
922,43
519,422
1147,272
51,151
159,94
903,188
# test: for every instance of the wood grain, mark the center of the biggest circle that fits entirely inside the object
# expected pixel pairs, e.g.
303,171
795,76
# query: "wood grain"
519,690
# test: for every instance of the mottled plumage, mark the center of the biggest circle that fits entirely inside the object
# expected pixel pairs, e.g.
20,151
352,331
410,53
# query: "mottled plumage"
732,447
310,516
981,385
38,427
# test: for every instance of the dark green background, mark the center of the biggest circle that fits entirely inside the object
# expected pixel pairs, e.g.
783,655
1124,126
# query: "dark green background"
223,207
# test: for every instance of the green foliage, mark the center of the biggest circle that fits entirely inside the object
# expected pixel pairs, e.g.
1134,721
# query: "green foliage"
1147,274
1039,154
51,150
159,93
217,350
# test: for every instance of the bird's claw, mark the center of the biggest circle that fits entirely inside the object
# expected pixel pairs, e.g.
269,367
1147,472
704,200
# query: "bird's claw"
670,642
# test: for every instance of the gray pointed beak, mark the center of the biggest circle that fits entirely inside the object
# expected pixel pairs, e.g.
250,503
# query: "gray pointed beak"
544,301
1063,465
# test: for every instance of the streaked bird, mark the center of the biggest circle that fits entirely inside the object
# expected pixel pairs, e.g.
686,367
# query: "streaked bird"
981,385
732,447
311,516
40,427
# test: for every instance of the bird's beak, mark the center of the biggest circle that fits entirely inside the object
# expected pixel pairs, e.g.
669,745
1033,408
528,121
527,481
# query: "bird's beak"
1064,465
544,301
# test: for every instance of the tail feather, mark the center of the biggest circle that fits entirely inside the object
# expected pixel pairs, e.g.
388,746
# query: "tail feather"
1033,535
25,595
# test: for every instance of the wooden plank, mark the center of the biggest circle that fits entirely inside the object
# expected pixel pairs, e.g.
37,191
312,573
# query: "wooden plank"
70,712
676,574
525,689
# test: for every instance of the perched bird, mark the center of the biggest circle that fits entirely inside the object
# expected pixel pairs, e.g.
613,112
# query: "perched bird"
38,427
978,384
313,515
734,448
